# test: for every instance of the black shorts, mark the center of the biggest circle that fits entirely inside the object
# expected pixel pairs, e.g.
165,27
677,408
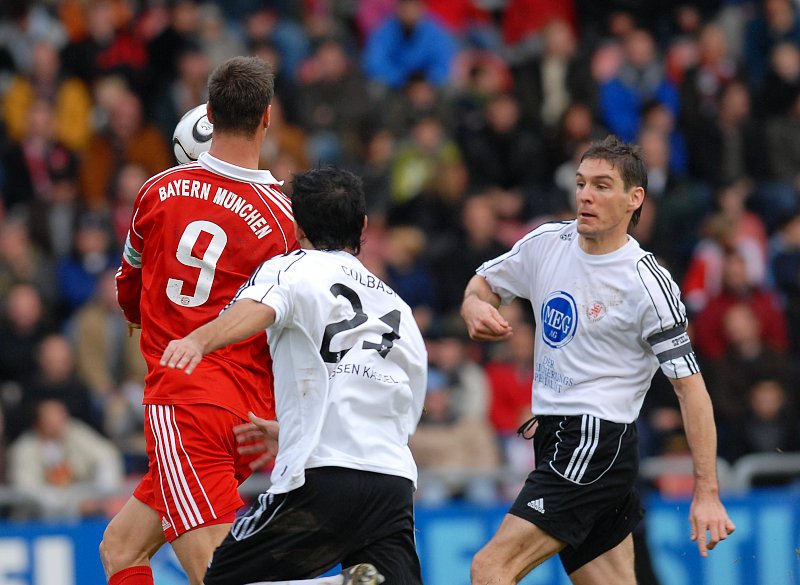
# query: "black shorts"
582,490
338,516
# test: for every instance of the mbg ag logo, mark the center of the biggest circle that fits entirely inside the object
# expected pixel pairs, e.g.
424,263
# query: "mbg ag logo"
559,319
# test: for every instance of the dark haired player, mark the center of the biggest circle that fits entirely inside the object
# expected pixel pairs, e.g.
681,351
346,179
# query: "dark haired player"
350,374
608,316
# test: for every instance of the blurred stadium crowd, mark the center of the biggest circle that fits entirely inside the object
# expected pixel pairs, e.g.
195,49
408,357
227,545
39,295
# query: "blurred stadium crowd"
466,119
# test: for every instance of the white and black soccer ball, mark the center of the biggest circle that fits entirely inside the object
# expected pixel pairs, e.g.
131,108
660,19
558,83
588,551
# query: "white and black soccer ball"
192,135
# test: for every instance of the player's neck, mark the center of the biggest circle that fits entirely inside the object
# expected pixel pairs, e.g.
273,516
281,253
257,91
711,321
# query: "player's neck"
305,244
602,245
236,151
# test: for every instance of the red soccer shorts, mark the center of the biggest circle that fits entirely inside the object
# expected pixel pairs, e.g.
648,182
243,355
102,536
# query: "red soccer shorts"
195,469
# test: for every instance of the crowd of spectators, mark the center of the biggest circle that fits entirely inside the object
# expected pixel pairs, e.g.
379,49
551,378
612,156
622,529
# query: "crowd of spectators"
466,119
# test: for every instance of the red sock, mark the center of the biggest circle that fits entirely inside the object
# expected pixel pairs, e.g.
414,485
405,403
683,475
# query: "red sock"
141,575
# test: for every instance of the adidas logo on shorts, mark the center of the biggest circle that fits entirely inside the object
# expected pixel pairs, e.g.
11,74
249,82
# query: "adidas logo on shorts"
537,504
165,525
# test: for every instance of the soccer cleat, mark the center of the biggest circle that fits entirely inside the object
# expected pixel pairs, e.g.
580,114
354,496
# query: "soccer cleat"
362,574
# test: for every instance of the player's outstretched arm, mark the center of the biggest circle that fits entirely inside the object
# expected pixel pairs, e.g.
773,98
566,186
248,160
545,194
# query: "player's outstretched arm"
241,320
708,518
258,437
479,311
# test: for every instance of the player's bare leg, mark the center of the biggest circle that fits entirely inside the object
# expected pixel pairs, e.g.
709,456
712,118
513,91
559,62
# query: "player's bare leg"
195,548
513,552
613,566
362,574
131,539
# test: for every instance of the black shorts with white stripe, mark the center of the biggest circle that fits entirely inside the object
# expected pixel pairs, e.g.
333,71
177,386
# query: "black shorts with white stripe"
582,490
339,516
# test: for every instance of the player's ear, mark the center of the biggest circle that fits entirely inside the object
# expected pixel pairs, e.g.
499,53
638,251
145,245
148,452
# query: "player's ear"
366,222
299,234
636,198
267,116
208,113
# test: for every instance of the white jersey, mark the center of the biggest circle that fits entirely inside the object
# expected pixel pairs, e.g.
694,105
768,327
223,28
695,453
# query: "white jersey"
604,322
350,366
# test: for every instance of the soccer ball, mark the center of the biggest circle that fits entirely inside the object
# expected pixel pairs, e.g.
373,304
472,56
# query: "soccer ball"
192,135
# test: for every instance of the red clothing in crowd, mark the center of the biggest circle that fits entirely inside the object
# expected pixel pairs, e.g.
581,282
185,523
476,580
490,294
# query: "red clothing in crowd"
708,336
511,395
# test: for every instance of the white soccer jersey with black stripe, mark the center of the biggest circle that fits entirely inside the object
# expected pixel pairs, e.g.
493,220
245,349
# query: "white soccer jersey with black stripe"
350,366
604,322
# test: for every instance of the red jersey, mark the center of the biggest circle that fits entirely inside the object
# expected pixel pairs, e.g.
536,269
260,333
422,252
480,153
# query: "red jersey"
198,232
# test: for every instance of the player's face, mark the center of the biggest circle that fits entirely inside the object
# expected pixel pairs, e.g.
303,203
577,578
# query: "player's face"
604,206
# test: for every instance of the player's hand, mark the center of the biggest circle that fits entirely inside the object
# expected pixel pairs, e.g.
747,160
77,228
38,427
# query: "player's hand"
484,322
709,521
182,354
258,437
